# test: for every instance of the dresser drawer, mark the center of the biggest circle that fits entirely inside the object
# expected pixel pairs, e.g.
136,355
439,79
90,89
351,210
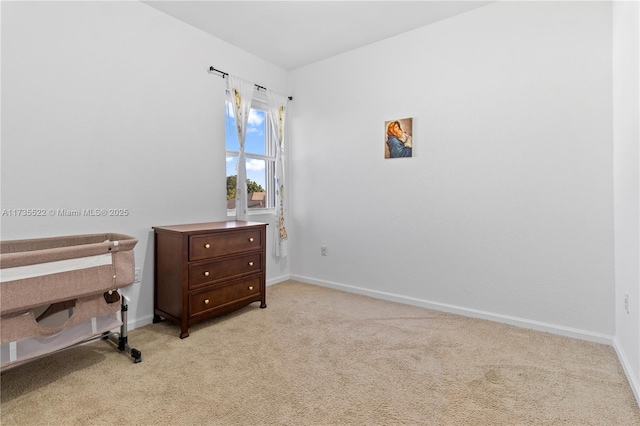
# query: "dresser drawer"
207,273
207,246
206,300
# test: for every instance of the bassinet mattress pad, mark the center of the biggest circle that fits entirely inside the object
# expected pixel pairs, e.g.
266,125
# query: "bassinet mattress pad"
40,269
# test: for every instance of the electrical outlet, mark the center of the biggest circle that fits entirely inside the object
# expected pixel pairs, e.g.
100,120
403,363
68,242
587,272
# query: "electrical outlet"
323,250
626,303
137,277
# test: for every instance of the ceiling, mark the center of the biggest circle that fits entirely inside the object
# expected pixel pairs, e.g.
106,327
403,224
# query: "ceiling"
292,34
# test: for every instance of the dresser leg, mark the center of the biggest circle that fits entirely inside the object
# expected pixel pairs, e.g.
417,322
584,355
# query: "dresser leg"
263,305
184,334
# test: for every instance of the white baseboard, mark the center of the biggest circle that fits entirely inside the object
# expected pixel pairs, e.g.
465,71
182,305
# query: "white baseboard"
277,280
626,366
132,324
460,310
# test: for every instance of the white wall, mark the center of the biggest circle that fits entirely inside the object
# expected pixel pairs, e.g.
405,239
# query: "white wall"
505,209
626,134
110,105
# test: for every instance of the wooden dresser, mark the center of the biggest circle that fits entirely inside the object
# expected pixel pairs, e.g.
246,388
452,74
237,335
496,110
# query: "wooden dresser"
204,270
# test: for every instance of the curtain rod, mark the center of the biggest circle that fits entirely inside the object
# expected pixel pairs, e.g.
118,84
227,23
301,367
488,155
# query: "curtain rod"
212,69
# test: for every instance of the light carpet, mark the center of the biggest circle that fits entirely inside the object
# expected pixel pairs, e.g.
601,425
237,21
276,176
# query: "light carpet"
318,356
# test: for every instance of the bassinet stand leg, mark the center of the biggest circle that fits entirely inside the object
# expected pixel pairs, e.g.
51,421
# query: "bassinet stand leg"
121,340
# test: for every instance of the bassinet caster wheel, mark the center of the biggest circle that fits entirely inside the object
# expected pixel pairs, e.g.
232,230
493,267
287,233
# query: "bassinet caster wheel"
136,355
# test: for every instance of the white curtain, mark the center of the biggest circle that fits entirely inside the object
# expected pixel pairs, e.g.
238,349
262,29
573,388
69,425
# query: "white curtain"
277,108
240,93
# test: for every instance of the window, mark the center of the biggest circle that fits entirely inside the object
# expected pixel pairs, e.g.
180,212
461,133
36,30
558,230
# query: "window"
260,153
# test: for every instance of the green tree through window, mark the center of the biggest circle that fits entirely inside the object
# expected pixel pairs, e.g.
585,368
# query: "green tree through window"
232,182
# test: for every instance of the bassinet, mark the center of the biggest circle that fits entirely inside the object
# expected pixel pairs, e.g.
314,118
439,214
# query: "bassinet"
61,291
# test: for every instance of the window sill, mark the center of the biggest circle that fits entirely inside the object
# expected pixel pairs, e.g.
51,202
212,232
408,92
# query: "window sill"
254,212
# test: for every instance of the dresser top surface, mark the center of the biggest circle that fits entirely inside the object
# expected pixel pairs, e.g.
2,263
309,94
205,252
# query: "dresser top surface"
208,226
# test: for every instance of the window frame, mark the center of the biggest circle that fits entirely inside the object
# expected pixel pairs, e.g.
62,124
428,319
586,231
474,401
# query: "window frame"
269,158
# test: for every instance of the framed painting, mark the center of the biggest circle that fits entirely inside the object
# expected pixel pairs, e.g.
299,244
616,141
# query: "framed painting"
398,138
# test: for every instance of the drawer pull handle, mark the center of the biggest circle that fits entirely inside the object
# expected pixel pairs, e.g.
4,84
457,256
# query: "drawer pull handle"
206,301
207,245
206,274
250,287
250,263
251,239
